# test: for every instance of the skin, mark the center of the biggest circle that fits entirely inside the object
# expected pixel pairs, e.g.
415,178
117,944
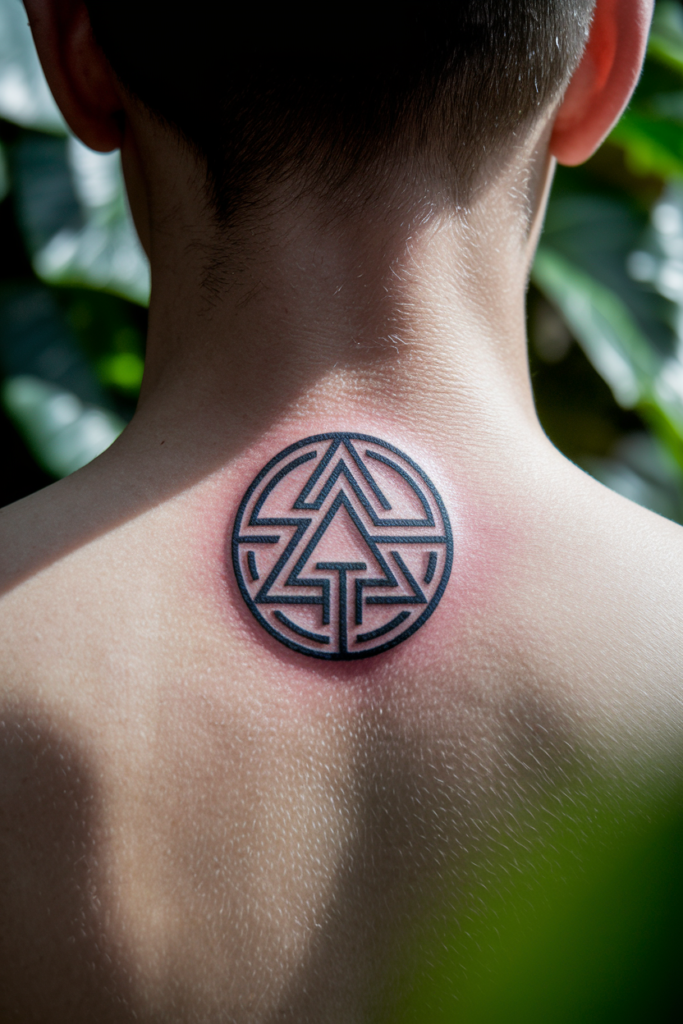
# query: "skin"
200,825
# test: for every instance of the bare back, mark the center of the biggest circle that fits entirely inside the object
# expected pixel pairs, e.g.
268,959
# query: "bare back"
203,824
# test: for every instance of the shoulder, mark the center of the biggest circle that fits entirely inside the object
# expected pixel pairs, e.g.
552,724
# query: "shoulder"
596,604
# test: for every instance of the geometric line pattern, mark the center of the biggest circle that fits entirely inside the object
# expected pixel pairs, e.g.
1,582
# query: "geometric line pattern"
342,546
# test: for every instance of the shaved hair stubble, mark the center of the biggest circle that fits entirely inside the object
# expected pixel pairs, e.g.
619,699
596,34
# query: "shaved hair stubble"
345,98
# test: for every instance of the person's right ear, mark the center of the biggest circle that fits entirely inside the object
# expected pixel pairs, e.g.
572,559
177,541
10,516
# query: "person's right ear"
78,73
603,82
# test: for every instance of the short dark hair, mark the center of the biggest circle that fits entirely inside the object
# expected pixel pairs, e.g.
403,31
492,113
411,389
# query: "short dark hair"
259,91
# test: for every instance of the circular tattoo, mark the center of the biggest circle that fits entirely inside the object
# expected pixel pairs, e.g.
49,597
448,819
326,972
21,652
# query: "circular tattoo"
342,547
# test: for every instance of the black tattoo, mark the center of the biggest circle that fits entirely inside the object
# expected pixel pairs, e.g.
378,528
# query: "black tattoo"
342,567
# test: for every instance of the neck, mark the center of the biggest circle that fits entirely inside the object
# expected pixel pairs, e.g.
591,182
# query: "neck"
409,315
406,326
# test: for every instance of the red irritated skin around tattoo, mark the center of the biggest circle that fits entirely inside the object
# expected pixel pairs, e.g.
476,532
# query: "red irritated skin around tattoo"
342,546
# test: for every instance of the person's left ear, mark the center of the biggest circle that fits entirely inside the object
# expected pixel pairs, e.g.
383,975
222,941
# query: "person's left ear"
79,75
603,82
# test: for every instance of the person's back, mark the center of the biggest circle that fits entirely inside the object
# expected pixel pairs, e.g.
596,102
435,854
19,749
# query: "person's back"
284,666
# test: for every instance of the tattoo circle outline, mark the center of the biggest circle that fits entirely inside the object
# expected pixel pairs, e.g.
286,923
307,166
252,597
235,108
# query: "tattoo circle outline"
330,594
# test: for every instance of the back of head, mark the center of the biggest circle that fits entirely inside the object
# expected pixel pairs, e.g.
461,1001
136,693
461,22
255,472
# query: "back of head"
347,96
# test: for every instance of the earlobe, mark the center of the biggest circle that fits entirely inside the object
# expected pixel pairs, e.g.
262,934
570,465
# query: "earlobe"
78,73
603,82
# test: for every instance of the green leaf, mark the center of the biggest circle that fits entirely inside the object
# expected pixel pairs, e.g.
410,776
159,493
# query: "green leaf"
25,96
639,376
666,37
576,920
597,317
122,370
652,146
63,433
75,219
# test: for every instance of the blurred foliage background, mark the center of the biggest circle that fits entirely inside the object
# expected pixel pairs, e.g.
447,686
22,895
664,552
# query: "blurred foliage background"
74,283
588,925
